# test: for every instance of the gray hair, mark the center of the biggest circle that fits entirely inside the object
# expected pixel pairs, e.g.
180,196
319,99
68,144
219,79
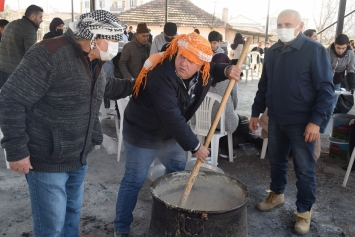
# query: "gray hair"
288,11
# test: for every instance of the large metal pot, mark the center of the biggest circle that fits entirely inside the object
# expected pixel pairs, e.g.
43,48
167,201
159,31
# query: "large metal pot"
159,170
220,203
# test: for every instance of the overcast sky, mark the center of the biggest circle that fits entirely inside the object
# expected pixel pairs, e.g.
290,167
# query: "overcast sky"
253,9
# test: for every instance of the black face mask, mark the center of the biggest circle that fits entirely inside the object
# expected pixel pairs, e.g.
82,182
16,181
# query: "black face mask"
58,32
168,39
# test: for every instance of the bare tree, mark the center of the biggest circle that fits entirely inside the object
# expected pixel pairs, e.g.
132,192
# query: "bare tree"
6,13
327,15
349,21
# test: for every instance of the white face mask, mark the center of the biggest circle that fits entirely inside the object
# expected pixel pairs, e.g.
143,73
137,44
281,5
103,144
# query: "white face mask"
287,35
112,50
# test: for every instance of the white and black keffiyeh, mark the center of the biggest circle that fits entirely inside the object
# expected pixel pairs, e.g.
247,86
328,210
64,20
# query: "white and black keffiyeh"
98,24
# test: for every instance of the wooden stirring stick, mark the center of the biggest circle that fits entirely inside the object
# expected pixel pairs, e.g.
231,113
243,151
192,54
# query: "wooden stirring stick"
226,95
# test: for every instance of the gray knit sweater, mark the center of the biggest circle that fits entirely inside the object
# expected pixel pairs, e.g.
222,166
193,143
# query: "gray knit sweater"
49,106
231,119
18,37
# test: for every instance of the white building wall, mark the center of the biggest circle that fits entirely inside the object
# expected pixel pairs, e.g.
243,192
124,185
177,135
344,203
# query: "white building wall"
99,5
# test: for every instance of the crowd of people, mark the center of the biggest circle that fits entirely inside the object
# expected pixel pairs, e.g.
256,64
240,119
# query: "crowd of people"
53,90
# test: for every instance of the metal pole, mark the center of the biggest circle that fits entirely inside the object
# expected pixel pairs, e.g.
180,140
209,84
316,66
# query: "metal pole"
335,22
92,5
341,13
166,11
267,23
72,10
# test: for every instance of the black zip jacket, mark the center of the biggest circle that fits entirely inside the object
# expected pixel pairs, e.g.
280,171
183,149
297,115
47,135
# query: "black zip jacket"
162,108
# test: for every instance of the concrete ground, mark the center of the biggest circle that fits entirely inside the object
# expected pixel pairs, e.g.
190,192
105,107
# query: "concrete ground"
333,213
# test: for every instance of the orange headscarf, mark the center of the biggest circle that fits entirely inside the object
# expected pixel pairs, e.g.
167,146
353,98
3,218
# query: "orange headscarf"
193,46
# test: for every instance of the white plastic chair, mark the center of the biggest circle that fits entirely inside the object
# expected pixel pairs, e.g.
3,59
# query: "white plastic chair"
264,148
121,103
351,162
105,113
7,163
254,61
204,122
246,66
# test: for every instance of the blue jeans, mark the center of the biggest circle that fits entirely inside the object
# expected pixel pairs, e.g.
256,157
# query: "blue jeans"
281,139
56,200
324,125
138,161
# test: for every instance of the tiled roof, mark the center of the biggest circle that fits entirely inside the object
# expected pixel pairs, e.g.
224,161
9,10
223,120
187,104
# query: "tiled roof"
181,12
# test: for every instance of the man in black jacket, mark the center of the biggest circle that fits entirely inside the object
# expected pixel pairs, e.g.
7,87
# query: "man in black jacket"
49,117
168,91
16,40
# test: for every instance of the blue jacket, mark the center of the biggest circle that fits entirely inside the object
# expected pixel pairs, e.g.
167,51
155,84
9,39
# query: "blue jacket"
161,110
296,83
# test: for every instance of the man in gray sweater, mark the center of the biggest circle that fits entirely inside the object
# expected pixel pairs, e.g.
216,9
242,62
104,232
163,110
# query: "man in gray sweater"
18,37
49,117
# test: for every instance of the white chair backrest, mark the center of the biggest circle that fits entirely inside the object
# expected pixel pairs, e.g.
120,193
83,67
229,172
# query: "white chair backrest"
122,103
204,115
254,56
246,63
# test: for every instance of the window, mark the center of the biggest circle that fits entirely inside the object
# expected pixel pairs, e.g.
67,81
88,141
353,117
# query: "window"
102,4
114,4
87,4
123,4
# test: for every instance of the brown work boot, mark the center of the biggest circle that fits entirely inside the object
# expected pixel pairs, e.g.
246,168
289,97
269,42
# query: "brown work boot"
303,222
272,201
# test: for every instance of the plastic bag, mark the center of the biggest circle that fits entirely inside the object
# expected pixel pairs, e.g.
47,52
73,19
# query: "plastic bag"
344,104
257,133
110,144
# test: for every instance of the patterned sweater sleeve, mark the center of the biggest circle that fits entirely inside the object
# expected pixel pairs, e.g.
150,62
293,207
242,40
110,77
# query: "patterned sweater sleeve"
29,82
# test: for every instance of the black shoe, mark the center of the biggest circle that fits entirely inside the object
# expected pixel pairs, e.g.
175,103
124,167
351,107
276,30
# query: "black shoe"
225,154
121,235
345,167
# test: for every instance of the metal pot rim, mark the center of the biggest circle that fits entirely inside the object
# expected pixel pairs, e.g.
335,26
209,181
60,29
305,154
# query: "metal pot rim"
243,187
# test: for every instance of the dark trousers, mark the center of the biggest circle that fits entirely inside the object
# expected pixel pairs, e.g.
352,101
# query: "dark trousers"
281,139
352,139
107,103
223,143
3,78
